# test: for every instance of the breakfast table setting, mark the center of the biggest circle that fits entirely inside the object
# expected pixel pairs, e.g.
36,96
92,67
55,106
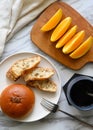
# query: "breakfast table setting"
21,36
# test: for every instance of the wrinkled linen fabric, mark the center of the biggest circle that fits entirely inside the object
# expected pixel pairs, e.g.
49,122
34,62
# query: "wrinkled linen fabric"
15,14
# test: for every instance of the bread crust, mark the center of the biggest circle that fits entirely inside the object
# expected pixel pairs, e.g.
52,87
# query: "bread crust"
17,100
34,76
44,85
38,73
22,66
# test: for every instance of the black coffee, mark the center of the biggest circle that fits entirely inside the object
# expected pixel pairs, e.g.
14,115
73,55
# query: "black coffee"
79,93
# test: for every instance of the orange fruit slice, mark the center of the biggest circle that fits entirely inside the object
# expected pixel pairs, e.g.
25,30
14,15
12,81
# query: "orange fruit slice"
67,36
61,29
82,49
53,21
72,44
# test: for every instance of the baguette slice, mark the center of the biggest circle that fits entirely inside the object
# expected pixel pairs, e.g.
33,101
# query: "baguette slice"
38,73
22,66
44,85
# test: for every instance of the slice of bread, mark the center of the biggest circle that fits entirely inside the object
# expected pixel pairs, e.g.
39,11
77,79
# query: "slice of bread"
44,85
38,73
22,66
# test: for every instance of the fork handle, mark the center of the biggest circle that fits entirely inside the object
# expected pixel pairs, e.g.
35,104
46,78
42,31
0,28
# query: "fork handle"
74,117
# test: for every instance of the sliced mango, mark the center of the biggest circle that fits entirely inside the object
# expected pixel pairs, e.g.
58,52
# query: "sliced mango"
82,49
53,21
61,29
67,36
72,44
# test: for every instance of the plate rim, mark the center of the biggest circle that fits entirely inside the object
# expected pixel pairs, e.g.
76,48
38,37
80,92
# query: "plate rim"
48,60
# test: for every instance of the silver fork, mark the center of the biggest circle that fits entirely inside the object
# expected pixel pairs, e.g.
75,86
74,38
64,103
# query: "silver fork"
54,108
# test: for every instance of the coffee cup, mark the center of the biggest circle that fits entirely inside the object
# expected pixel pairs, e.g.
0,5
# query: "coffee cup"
79,92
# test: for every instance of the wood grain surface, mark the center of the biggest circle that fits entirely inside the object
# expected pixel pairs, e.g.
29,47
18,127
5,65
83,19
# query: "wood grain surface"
42,39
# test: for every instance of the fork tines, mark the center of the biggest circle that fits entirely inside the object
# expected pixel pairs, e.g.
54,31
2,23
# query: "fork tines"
54,107
49,105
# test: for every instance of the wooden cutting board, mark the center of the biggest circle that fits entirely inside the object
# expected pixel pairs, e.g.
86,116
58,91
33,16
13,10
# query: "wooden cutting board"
42,39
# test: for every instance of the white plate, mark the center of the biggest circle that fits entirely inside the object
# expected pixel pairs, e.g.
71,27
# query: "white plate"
38,112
